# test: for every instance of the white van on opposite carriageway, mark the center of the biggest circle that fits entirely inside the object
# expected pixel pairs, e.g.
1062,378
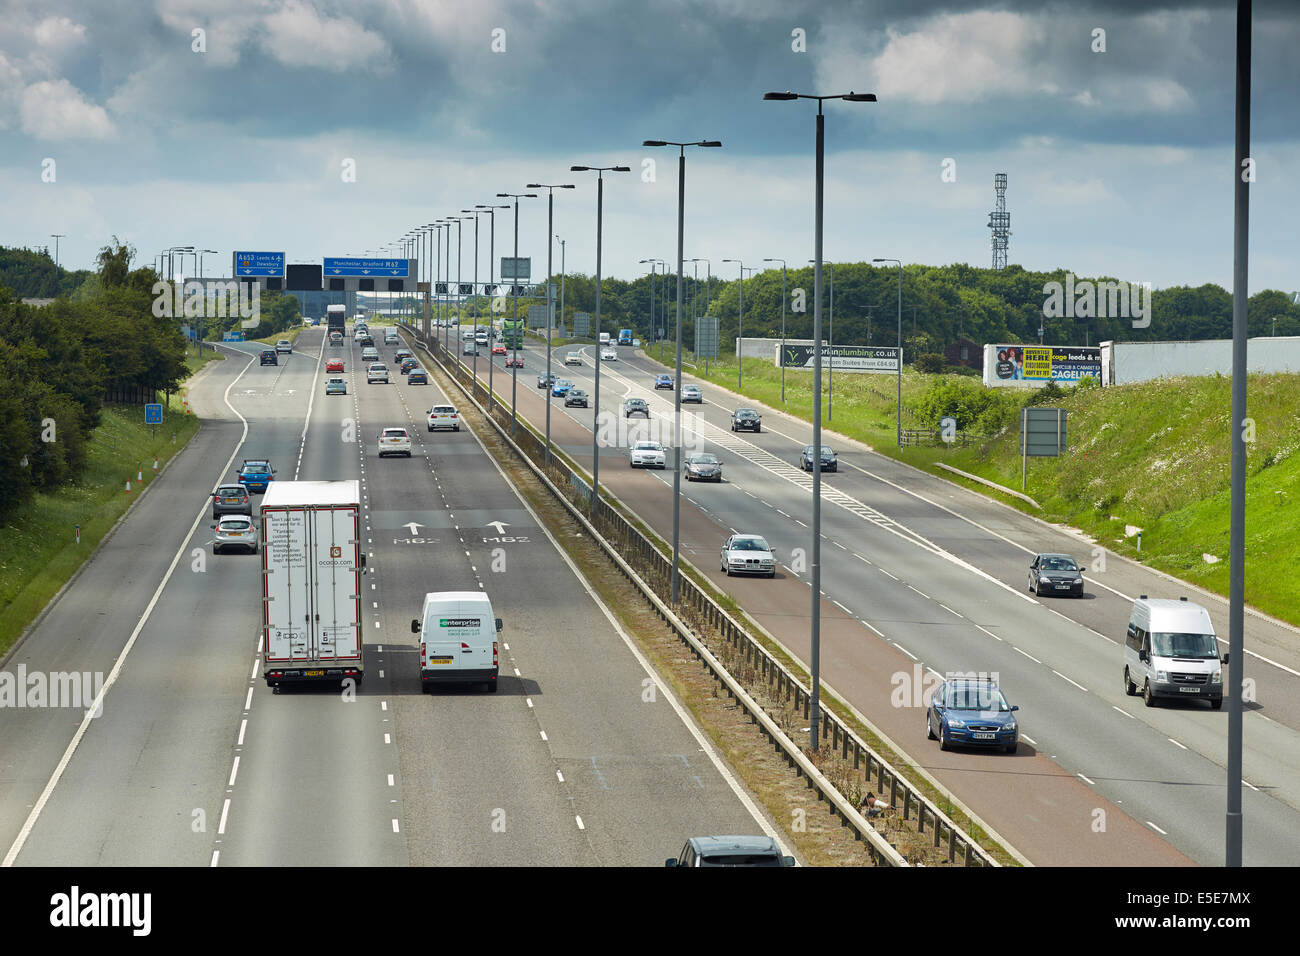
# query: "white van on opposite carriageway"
458,639
1171,651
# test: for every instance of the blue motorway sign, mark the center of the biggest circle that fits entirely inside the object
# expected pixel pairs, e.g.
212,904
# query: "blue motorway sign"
372,268
259,264
153,414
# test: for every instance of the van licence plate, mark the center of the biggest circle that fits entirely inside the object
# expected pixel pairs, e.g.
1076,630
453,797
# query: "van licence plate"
983,736
1189,690
439,660
313,673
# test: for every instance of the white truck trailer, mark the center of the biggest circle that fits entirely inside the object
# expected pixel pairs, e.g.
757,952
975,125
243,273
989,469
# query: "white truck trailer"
312,562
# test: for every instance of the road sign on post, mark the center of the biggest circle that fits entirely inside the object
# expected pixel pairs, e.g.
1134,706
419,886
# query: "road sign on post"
153,414
366,268
581,325
516,270
1042,435
706,337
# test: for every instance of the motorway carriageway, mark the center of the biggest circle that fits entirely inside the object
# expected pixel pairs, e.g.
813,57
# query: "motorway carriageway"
923,577
196,762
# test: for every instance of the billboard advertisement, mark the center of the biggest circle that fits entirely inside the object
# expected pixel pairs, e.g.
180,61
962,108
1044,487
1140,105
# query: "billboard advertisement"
843,358
1033,365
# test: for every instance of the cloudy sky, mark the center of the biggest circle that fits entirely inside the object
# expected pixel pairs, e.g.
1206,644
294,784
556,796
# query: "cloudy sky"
235,124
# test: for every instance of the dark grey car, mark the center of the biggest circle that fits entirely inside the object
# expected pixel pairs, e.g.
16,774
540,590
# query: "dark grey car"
746,419
635,406
1055,574
703,467
731,851
231,499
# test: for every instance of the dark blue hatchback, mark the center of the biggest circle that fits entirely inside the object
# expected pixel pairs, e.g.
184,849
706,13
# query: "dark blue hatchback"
971,713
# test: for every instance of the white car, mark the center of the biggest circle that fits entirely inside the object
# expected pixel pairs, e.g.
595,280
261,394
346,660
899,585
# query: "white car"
378,372
573,358
748,554
692,393
608,355
647,454
394,441
444,416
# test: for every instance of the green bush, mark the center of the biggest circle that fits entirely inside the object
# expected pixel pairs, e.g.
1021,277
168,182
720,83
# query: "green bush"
932,363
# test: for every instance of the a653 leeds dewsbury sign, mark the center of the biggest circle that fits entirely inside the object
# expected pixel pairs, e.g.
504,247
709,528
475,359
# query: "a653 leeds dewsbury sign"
843,358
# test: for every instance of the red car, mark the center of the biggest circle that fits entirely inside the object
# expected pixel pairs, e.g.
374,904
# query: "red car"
498,349
334,365
512,361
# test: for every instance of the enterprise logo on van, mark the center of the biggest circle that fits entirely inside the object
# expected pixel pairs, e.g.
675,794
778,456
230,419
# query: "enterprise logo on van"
459,622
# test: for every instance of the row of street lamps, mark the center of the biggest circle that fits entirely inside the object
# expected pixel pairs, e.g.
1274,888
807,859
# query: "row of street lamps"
421,233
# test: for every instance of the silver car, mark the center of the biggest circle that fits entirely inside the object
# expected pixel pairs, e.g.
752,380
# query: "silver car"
235,531
748,554
377,372
703,467
692,393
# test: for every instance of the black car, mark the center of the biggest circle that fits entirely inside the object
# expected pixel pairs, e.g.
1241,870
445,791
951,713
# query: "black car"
269,357
546,380
575,396
636,406
703,467
828,460
1055,574
746,419
367,340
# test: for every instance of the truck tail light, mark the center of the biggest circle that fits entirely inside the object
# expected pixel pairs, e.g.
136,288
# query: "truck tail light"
422,653
494,653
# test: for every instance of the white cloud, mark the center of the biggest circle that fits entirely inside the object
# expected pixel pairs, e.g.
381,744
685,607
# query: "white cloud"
58,111
297,35
59,34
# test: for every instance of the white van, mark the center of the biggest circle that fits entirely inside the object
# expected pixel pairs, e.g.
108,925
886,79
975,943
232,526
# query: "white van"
1171,651
604,337
458,642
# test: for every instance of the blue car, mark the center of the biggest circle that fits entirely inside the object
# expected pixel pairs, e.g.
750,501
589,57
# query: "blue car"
663,381
828,460
561,388
417,376
255,474
964,712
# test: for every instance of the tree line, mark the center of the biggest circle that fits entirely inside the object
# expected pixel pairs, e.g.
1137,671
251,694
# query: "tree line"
58,362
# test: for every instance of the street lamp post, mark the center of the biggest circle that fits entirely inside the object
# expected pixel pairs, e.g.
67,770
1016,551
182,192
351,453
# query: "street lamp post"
491,394
740,327
782,261
677,379
815,714
56,236
562,268
514,305
550,307
899,426
595,431
830,372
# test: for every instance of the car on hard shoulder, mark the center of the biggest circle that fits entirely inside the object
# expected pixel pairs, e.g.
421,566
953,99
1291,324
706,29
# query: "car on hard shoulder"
370,354
573,358
647,454
269,357
575,397
336,386
1055,574
377,372
731,851
417,376
444,416
663,381
408,364
561,387
746,419
334,365
498,349
394,441
231,499
635,406
234,532
748,554
828,460
970,712
255,474
692,393
546,379
284,346
703,467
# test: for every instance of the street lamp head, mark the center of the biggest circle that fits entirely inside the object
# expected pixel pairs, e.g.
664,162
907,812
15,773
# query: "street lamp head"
710,142
621,169
575,169
787,95
859,97
654,142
